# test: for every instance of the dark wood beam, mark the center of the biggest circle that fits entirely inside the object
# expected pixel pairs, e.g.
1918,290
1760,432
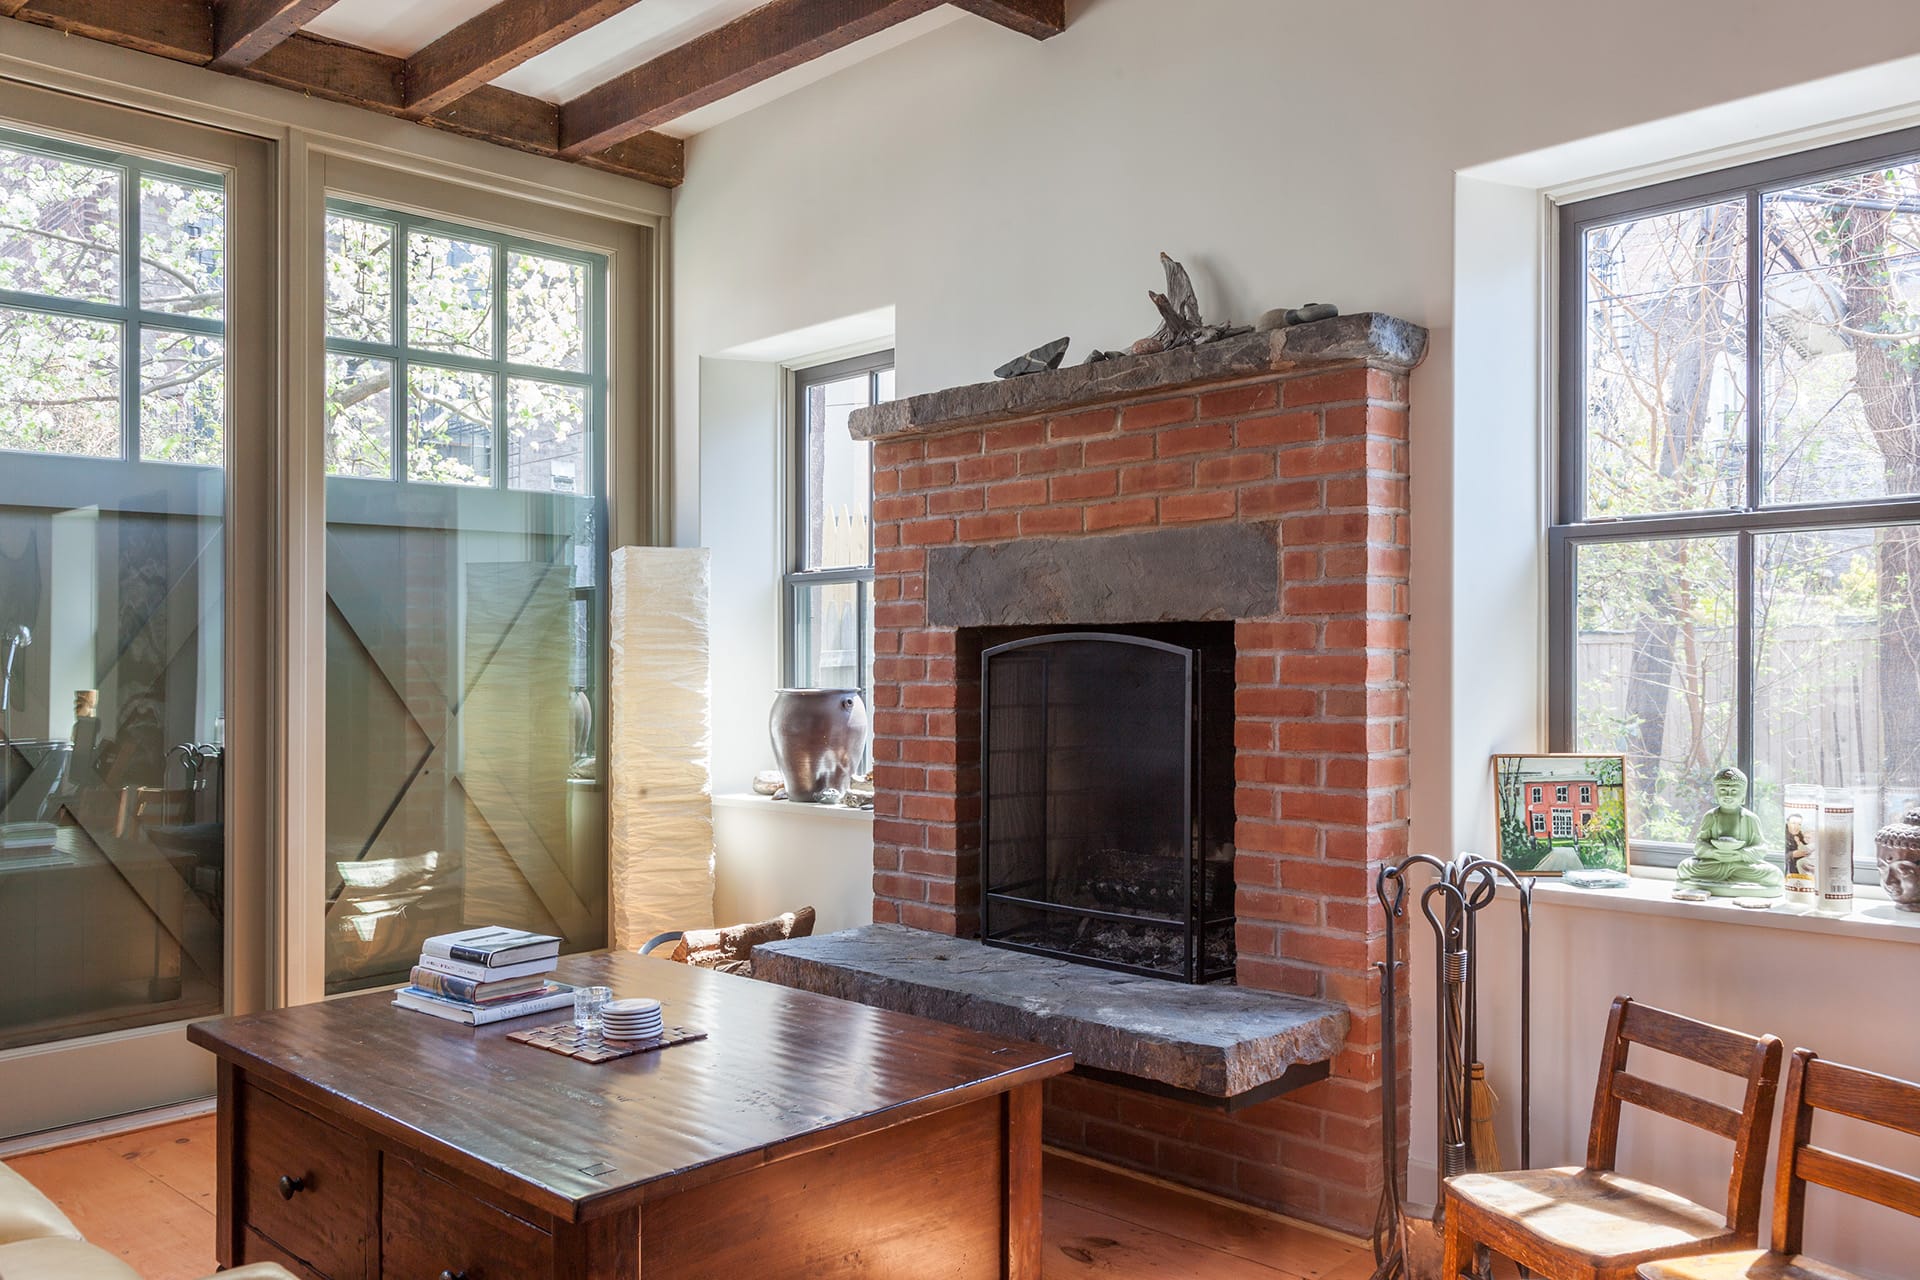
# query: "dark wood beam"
178,29
490,44
182,30
775,37
244,30
1040,19
756,46
363,78
10,7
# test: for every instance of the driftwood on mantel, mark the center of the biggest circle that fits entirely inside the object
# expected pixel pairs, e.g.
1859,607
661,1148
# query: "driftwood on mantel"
1369,338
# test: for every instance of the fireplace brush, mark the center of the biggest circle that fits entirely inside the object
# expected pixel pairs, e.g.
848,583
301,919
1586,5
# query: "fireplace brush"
1451,902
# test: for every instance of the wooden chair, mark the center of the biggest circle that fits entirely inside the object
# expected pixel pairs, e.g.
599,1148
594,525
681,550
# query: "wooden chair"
1813,1085
1591,1223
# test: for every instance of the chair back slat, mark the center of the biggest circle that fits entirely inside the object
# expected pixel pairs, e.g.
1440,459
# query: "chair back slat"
1754,1059
1882,1101
1716,1047
1668,1101
1863,1095
1859,1178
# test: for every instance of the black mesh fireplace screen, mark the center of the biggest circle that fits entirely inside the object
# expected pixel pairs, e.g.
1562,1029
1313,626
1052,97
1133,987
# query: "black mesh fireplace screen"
1107,814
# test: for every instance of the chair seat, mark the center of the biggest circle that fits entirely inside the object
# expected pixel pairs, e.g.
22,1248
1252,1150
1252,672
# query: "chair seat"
1747,1264
1599,1217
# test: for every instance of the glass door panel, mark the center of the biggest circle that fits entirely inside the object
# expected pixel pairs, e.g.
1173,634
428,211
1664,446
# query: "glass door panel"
113,592
465,552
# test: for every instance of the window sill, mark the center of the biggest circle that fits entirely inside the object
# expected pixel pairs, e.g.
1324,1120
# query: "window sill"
813,812
1872,917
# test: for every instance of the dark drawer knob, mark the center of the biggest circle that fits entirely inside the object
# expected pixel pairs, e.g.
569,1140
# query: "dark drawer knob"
290,1184
453,1275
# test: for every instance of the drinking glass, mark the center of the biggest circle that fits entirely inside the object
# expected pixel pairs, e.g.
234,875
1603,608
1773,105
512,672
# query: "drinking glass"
587,1004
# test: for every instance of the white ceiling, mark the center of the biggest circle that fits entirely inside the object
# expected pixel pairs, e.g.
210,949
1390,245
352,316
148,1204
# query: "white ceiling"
621,43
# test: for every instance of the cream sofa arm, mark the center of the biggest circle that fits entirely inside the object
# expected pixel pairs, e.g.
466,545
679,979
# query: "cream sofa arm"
255,1271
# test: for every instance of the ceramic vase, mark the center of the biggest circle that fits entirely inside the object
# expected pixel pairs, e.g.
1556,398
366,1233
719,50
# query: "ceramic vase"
818,735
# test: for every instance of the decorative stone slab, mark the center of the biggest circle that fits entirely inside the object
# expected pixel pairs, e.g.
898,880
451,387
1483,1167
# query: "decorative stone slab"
1216,1040
1369,338
1120,578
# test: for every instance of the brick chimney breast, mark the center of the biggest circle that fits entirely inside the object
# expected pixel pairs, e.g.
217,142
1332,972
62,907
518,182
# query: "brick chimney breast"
1260,480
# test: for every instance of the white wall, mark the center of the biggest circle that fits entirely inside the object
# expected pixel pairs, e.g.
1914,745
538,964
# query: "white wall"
1000,192
740,474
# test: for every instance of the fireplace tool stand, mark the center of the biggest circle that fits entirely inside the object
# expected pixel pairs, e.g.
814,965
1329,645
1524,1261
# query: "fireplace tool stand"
1451,902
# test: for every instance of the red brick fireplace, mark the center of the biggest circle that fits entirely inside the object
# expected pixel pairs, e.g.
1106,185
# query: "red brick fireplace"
1301,434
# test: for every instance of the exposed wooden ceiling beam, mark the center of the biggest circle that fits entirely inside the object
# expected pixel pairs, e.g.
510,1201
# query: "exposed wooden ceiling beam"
182,30
1040,19
10,7
363,78
492,43
243,30
178,29
756,46
753,47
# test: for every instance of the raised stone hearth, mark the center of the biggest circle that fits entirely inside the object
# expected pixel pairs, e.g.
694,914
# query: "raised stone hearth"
1225,1042
1257,484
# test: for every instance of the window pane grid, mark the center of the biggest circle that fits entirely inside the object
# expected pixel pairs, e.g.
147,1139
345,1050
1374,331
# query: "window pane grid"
475,438
166,225
1816,501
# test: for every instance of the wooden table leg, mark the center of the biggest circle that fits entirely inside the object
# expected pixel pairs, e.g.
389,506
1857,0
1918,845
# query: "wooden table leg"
1023,1182
603,1249
227,1225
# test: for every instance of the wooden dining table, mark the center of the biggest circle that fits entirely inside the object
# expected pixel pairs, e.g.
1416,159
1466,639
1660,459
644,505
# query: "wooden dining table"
803,1136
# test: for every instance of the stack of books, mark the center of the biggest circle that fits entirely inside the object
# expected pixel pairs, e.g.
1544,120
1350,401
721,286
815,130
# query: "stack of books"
477,976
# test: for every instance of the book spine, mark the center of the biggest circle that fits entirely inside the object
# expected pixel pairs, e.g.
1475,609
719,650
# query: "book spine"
472,990
444,984
488,957
434,1007
520,1008
453,968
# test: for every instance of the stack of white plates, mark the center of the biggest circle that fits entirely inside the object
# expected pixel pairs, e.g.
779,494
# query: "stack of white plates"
631,1020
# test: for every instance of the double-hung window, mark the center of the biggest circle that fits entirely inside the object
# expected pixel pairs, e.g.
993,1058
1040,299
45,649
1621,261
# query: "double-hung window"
1736,542
829,580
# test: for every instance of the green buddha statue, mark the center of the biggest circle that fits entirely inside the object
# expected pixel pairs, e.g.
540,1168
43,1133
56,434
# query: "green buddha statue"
1729,852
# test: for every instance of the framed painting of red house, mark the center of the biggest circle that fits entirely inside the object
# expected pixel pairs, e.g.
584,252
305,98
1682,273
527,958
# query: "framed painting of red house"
1560,813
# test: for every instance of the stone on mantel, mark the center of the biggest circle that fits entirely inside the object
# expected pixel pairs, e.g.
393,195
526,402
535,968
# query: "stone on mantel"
1369,338
1217,1040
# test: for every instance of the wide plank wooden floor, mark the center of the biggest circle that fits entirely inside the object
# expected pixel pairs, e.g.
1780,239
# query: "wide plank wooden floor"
148,1196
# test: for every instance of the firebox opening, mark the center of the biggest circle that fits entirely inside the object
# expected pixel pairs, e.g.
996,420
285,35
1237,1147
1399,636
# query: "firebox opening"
1107,796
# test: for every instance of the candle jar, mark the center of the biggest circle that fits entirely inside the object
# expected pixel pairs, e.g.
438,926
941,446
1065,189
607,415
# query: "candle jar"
1803,896
1833,869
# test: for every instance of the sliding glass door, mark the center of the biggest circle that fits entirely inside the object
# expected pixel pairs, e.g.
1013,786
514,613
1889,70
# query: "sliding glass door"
466,550
124,470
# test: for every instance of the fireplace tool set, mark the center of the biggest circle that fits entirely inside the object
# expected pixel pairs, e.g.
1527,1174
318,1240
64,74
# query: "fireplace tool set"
1451,902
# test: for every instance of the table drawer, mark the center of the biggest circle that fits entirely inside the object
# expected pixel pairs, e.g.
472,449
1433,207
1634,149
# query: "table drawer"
307,1186
429,1227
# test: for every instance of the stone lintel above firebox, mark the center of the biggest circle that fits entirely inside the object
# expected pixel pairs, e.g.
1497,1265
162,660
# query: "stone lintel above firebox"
1220,1041
1373,339
1198,573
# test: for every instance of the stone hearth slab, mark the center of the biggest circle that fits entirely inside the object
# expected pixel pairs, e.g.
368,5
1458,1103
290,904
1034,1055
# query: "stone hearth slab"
1221,1041
1369,338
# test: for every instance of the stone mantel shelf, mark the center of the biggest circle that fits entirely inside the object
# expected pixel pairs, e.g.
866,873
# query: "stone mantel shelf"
1369,338
1218,1041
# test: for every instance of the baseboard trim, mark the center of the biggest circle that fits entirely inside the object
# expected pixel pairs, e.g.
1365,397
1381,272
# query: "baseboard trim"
1167,1184
106,1126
